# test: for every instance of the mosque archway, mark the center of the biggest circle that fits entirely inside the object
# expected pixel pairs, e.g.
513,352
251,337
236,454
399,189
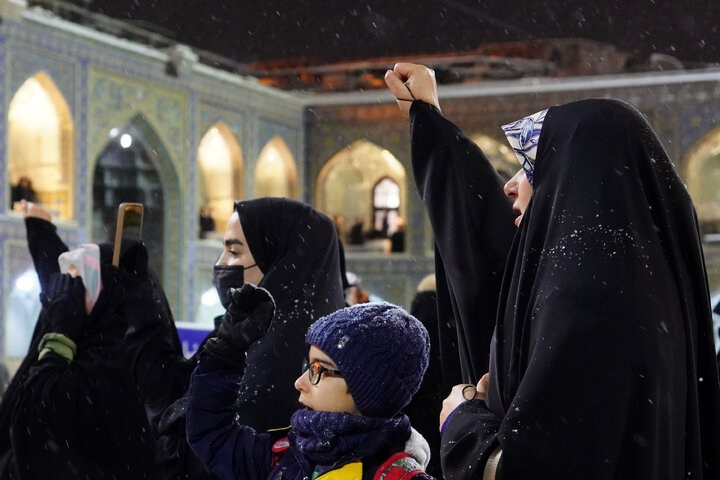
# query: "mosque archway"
500,155
40,145
134,167
220,166
700,169
275,171
366,187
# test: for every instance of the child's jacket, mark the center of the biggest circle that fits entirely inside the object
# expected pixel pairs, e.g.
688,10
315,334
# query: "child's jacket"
233,451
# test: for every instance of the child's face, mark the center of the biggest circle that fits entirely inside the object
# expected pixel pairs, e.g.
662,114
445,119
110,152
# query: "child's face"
331,394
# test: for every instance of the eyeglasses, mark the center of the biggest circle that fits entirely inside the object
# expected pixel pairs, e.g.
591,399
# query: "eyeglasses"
315,371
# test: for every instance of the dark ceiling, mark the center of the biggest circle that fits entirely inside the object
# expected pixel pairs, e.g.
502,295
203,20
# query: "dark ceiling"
325,31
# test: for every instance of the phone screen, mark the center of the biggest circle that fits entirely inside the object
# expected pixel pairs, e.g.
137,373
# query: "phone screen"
128,229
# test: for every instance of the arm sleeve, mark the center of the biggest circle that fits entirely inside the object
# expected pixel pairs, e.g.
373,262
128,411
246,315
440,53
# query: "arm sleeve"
229,450
473,223
469,437
161,372
45,246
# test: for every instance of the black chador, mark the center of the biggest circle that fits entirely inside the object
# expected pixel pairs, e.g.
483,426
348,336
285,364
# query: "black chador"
296,248
602,363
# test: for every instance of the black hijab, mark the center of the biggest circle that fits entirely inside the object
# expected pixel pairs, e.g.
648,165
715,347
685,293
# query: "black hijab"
296,248
602,364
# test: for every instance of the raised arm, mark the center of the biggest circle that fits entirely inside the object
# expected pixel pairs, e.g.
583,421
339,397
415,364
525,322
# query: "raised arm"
43,241
471,217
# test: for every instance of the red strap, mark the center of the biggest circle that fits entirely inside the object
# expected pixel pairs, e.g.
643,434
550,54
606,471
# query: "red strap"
281,445
279,448
393,468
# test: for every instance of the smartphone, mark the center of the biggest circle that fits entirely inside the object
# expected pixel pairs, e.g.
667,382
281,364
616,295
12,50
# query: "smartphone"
127,229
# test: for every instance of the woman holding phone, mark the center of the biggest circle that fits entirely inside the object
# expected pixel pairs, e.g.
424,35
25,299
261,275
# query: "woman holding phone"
71,410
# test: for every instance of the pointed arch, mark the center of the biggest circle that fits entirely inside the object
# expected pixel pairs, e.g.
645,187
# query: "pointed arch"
41,144
499,153
143,172
275,171
220,165
700,168
347,182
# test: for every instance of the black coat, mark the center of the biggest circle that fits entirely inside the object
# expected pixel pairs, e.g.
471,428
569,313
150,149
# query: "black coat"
602,364
472,221
77,420
162,375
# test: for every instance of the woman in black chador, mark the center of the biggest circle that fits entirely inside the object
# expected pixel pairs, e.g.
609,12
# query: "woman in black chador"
71,410
290,249
602,363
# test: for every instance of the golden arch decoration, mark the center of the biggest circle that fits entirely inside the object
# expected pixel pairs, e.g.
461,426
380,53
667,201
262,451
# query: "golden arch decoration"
275,171
346,182
41,143
700,169
500,155
220,165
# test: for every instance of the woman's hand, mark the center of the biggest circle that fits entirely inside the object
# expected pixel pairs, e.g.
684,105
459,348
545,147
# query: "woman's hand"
32,209
461,393
409,81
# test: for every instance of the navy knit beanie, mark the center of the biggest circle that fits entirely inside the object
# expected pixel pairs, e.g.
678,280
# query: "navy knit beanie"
381,350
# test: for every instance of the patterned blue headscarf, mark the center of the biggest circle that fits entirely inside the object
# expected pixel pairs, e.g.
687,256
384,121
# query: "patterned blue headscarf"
523,136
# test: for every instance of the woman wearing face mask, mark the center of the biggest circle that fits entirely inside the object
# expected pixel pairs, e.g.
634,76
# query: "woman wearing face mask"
602,361
291,250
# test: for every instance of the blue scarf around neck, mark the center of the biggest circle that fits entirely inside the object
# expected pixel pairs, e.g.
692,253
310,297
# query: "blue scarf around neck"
336,438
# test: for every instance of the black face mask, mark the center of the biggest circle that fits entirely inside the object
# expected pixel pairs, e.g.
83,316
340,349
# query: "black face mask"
226,277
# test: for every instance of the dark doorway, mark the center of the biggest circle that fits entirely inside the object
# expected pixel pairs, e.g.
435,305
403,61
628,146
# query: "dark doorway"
125,173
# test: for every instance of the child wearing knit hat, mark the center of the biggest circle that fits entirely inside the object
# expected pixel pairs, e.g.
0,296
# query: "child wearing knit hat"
364,364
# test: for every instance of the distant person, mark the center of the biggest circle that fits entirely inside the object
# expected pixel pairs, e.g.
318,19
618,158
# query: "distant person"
23,191
207,223
356,294
362,365
397,239
356,235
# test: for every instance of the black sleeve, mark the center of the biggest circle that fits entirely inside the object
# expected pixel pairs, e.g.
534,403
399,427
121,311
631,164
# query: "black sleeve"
45,246
473,223
468,439
160,371
162,377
